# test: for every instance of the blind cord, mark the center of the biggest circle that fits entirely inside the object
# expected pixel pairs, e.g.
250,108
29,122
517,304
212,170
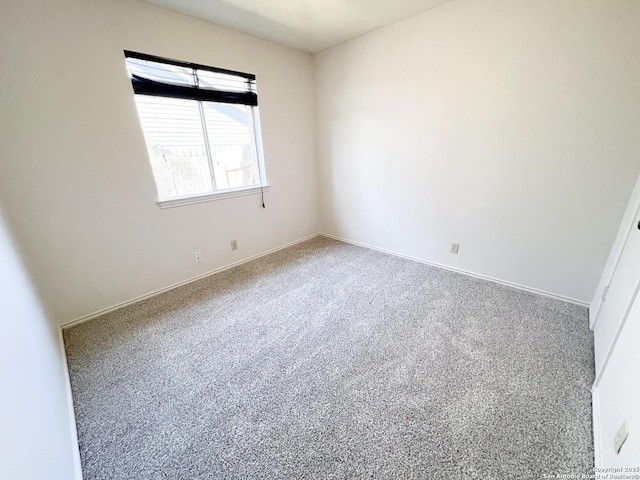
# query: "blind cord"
259,170
255,145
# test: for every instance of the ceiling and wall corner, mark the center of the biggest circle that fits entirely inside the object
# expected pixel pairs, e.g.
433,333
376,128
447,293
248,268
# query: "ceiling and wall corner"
308,25
555,74
475,102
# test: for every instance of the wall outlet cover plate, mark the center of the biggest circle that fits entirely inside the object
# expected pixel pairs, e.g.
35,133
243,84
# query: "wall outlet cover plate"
621,436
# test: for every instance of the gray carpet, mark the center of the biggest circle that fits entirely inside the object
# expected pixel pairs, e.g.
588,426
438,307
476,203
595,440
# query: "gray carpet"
327,360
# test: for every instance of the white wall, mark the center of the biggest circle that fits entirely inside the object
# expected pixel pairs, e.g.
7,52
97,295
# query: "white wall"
76,180
36,440
508,126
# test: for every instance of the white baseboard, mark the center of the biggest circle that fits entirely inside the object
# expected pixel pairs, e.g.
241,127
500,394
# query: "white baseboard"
464,272
592,317
103,311
72,414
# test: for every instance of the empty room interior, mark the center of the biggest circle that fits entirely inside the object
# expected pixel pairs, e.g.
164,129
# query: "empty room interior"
319,239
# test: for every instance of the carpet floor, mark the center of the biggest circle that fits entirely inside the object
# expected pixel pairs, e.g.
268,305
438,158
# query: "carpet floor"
328,360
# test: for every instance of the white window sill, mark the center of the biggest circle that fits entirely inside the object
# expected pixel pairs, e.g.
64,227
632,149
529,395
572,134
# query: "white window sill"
209,197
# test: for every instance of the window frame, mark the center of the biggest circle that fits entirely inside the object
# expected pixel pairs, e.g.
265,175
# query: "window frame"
215,194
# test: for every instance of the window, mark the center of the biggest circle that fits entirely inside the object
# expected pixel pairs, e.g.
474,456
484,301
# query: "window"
201,128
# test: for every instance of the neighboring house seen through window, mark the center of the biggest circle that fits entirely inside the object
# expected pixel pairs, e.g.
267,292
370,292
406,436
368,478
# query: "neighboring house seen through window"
200,124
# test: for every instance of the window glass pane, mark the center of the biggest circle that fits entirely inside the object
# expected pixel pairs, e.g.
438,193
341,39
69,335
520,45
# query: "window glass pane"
175,139
231,140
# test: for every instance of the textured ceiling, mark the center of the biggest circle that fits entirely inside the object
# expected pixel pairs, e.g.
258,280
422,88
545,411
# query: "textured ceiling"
309,25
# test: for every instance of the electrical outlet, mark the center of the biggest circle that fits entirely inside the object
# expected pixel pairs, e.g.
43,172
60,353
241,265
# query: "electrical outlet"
234,244
198,257
455,247
621,436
